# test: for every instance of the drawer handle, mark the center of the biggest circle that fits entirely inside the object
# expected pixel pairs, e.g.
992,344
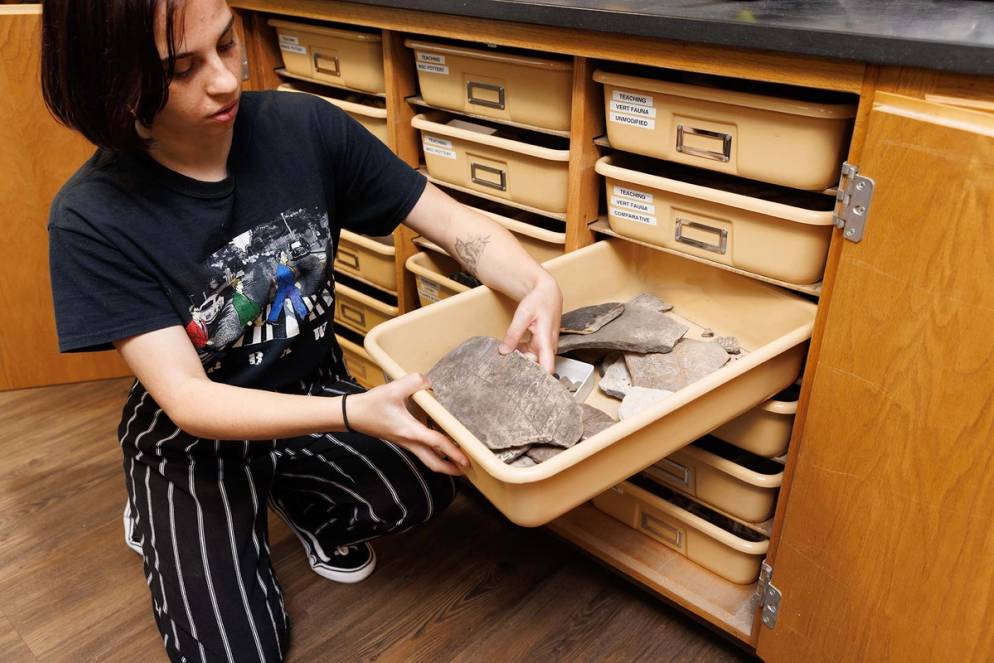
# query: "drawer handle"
726,143
333,70
675,471
353,314
472,86
474,173
347,258
662,530
722,235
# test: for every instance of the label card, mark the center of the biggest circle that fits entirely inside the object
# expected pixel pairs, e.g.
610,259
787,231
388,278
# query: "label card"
434,58
633,98
294,48
633,193
632,216
632,121
433,68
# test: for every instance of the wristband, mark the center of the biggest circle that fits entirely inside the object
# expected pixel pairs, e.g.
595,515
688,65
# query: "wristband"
345,416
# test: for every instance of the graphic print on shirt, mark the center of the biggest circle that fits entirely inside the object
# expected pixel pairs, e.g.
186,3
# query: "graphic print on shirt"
268,283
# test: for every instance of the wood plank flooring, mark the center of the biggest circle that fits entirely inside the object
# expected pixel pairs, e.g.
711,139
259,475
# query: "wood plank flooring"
467,587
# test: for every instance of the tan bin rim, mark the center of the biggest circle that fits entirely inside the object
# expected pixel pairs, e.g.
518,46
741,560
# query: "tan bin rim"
516,227
780,407
605,166
434,122
596,443
698,523
347,106
366,300
324,30
732,97
346,344
414,266
505,58
369,243
733,469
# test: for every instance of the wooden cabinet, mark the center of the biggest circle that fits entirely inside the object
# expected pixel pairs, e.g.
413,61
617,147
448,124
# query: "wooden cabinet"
37,156
882,547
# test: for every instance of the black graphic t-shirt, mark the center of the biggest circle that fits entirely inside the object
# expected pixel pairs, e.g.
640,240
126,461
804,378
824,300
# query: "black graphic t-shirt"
245,264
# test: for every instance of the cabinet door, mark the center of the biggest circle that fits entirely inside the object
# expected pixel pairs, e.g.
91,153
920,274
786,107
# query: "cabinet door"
36,156
887,548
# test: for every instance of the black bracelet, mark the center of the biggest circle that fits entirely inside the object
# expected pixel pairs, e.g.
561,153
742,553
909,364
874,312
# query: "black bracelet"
345,416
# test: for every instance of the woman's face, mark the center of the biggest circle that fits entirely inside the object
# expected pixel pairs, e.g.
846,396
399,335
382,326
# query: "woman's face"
203,95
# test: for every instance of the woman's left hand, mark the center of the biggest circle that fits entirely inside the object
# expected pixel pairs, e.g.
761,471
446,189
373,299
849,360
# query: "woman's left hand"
539,313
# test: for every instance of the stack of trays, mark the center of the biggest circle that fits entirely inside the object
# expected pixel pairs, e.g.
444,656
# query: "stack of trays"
370,112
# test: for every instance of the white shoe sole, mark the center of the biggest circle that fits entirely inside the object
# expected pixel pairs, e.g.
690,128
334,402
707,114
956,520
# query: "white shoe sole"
129,529
327,571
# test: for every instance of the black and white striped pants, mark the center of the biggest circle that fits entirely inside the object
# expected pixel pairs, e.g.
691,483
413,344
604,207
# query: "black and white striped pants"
200,511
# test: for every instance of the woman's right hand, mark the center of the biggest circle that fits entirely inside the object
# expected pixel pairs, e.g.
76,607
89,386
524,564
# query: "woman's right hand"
382,412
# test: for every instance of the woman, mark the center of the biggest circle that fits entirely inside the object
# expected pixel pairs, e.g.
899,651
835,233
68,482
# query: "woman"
198,241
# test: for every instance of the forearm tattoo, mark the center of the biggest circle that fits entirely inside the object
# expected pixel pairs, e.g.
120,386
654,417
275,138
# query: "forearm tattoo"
468,252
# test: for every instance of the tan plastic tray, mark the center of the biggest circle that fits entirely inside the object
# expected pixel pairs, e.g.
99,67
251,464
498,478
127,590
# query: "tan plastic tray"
716,549
358,311
343,57
371,117
790,142
764,430
510,169
516,88
369,259
774,239
771,324
360,365
430,269
719,482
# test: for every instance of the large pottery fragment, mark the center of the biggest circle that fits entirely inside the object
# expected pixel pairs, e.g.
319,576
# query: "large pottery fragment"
638,329
640,398
594,421
506,401
689,361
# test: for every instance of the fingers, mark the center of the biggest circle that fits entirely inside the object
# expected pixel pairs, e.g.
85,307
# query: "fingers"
433,462
411,383
515,331
546,351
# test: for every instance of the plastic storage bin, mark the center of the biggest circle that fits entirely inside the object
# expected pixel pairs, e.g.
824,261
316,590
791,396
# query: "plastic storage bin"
793,142
764,430
528,90
346,58
758,228
718,544
723,476
358,311
771,324
431,270
360,364
478,158
372,117
369,259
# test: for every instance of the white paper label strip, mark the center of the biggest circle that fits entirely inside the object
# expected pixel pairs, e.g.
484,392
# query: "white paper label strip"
439,152
293,48
632,216
433,68
633,193
428,290
438,142
434,58
289,39
632,121
633,98
633,109
633,204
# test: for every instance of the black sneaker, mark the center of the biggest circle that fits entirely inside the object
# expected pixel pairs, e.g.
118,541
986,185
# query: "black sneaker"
347,563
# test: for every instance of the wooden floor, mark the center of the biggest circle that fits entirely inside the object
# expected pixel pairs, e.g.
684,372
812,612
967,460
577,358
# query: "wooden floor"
468,587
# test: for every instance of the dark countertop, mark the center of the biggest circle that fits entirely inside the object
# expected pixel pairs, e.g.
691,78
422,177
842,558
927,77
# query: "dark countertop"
950,35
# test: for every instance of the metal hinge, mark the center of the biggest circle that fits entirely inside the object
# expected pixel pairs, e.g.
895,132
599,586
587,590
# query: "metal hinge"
852,202
767,596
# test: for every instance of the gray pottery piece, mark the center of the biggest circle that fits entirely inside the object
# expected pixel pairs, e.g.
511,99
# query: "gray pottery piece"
641,398
616,381
594,421
589,319
651,302
505,400
638,329
690,361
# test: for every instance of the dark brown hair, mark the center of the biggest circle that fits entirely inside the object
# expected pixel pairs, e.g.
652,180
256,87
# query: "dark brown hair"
100,69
